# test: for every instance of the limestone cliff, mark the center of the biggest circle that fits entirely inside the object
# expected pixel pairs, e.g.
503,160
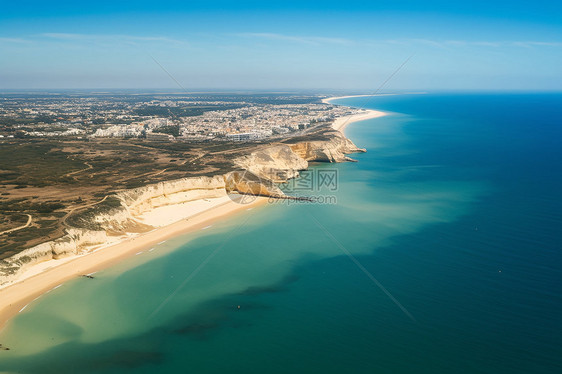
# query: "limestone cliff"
75,242
246,183
282,162
276,163
116,213
333,150
141,199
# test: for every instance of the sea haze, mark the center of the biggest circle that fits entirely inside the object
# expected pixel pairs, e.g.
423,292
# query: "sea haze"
442,254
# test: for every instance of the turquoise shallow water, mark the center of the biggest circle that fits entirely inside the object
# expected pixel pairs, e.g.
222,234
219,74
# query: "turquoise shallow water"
455,211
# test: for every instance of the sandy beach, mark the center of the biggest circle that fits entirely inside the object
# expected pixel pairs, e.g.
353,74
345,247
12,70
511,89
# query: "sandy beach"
169,221
328,99
341,123
14,298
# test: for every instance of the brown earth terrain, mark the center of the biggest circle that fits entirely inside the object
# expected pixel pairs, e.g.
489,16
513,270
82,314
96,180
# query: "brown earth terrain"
47,184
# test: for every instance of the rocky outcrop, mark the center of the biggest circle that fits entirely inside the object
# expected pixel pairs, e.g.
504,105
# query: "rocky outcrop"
277,163
333,150
282,162
247,183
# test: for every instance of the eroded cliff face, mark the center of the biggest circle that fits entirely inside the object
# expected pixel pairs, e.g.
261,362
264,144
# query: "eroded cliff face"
247,183
282,162
256,175
139,200
333,150
93,224
277,163
75,242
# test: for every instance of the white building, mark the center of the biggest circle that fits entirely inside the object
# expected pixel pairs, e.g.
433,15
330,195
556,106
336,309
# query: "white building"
241,137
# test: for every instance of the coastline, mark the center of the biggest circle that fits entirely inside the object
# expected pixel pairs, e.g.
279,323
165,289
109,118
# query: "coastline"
43,277
342,122
328,99
15,297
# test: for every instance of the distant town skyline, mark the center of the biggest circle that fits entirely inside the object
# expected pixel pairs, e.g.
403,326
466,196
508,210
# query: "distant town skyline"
289,45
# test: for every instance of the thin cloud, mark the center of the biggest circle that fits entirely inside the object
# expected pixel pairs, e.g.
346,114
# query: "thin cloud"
313,40
529,44
307,40
105,38
14,40
462,43
429,42
318,40
64,36
486,44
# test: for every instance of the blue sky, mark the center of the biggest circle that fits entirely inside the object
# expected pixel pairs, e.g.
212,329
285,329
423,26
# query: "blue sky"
346,45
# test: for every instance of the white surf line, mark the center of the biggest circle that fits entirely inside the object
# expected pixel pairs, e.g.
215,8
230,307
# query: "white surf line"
22,309
151,249
38,297
206,227
54,288
163,241
249,208
138,253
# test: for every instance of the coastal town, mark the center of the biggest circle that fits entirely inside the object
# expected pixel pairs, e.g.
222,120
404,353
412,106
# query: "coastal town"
94,179
163,117
69,154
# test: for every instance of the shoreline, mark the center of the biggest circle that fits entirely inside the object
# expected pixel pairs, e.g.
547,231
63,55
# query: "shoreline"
342,122
328,99
16,297
43,277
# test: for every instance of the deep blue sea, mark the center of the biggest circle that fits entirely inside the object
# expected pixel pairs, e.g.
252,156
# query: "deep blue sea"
440,251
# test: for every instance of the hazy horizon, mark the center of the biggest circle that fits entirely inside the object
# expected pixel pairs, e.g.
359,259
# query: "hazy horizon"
269,91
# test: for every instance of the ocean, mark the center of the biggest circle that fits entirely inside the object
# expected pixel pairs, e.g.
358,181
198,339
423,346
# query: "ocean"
440,251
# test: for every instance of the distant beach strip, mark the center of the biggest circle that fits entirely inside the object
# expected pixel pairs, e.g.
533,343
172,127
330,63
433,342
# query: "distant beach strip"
341,123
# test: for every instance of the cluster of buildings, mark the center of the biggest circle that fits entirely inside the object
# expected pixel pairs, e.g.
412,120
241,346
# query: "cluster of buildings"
133,130
258,121
163,119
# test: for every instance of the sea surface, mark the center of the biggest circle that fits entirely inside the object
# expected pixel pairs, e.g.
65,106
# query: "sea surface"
440,251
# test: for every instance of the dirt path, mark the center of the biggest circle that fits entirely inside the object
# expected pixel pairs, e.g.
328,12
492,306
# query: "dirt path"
81,207
29,219
79,171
